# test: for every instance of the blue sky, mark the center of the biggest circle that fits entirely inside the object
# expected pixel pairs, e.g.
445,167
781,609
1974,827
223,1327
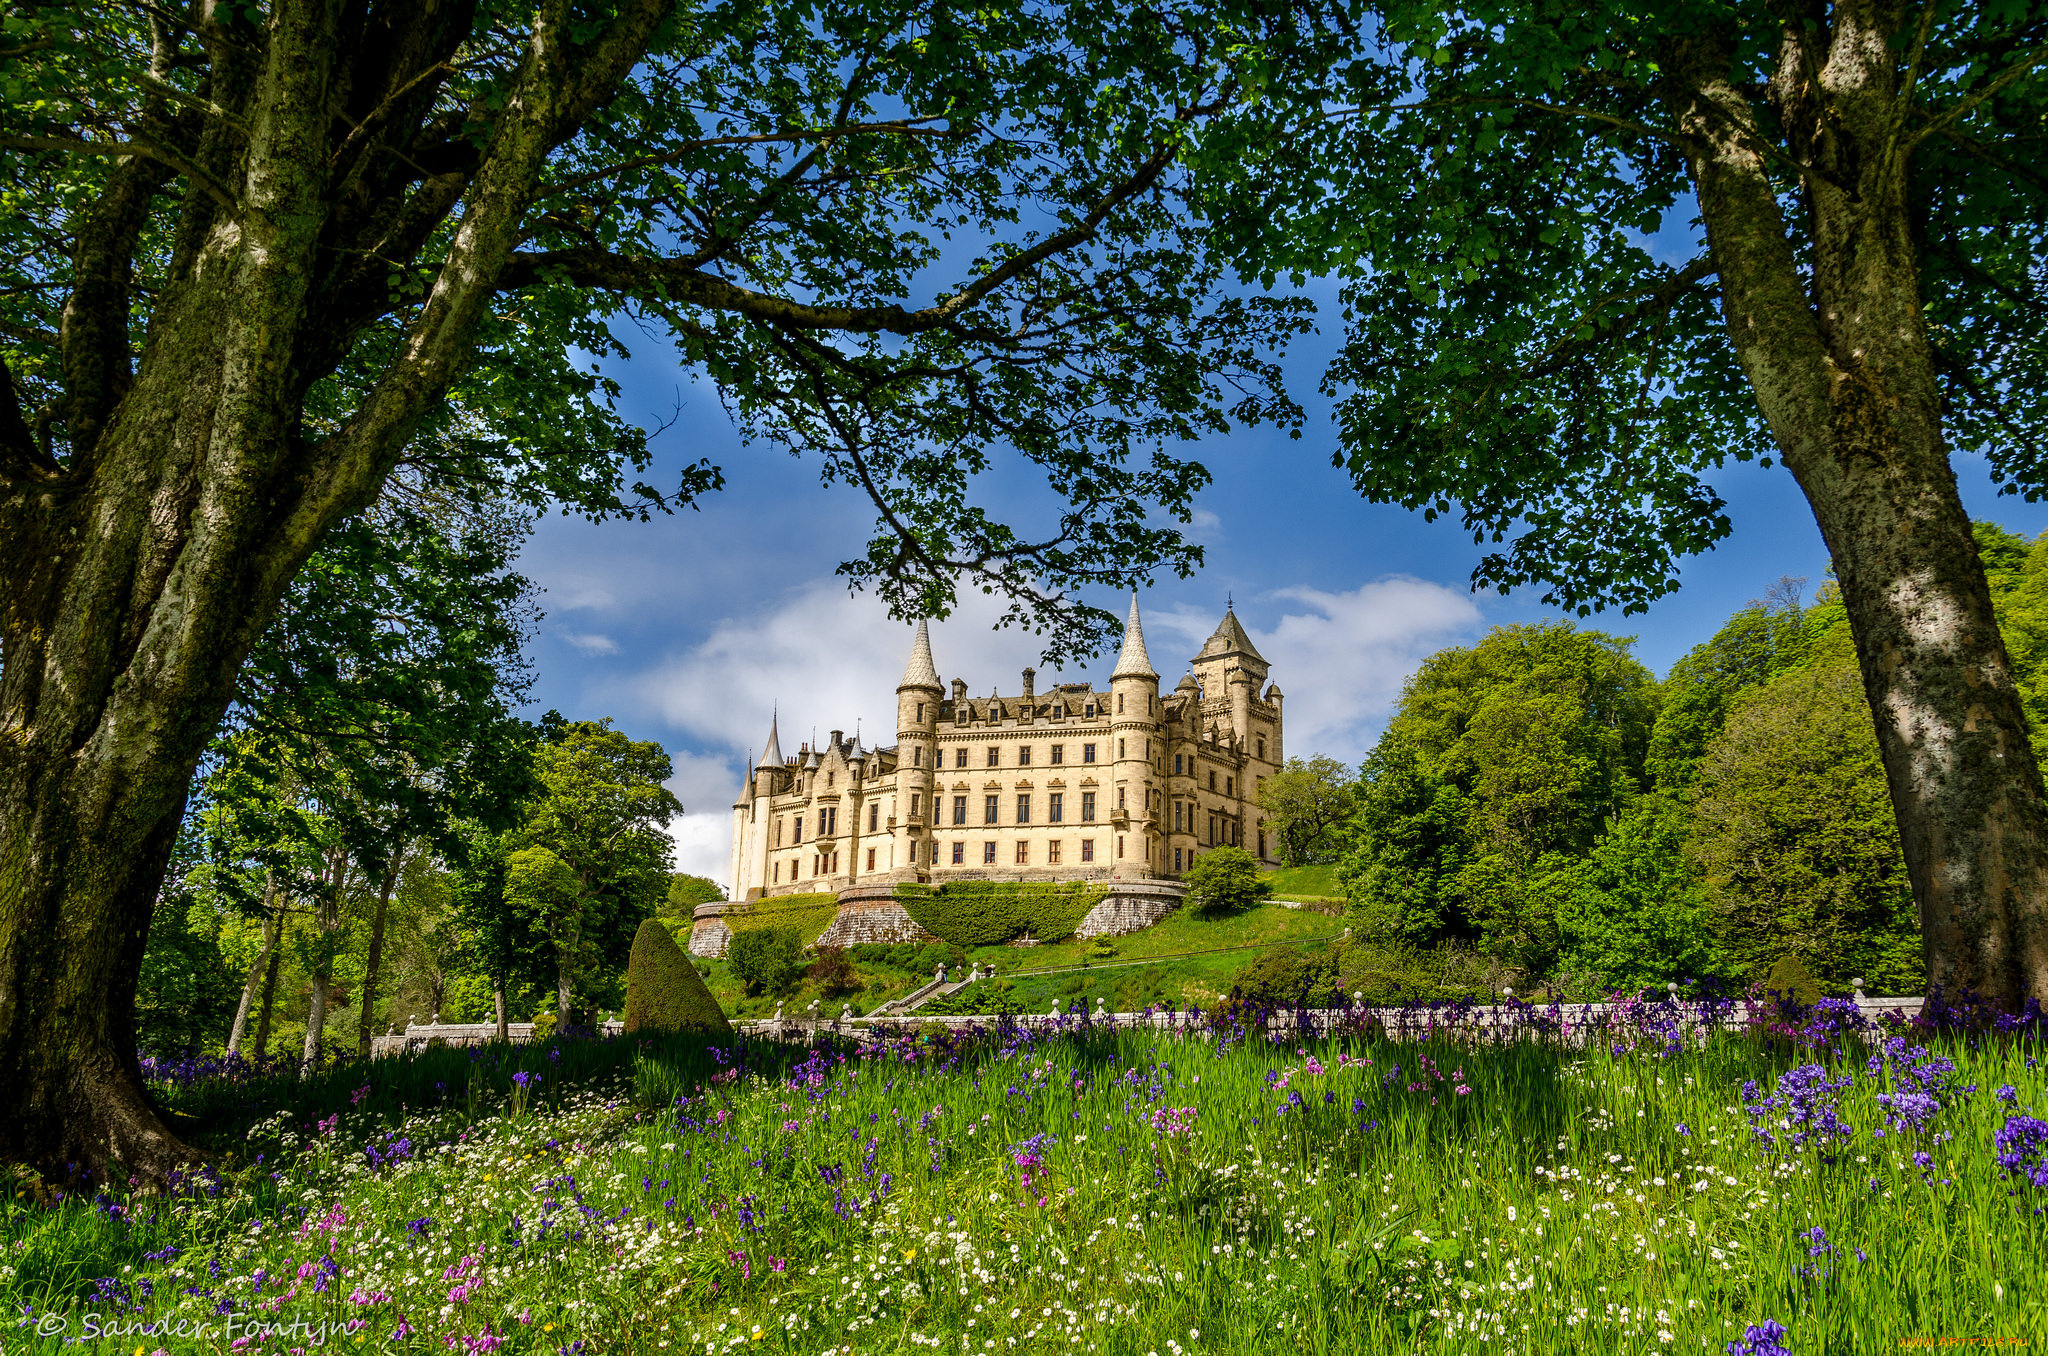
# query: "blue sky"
691,628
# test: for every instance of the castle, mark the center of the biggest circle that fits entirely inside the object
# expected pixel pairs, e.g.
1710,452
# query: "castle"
1069,784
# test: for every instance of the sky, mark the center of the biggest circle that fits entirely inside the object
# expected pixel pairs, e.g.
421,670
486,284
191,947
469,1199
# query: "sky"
692,629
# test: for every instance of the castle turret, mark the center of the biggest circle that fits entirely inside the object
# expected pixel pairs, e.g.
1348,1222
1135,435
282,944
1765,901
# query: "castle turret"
1134,722
752,876
917,751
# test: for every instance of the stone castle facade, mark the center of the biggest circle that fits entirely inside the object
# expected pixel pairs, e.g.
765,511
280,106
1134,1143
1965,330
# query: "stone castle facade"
1076,783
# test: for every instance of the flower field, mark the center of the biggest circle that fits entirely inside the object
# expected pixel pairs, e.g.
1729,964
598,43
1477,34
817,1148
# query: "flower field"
1805,1187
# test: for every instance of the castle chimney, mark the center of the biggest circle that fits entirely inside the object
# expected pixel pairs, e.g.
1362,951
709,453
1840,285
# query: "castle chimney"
959,690
1030,675
838,738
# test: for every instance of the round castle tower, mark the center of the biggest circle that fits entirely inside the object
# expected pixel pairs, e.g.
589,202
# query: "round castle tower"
917,727
1134,694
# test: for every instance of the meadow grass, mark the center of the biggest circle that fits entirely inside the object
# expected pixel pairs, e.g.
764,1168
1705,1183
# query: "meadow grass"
1306,882
1084,1189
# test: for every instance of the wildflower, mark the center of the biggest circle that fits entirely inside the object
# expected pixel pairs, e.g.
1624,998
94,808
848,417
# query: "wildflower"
1761,1339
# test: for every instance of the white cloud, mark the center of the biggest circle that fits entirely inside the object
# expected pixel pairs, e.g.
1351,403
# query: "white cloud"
591,643
705,783
1342,658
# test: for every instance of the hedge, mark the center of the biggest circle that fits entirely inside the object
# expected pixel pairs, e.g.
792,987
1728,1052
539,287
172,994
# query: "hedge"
664,992
810,915
990,912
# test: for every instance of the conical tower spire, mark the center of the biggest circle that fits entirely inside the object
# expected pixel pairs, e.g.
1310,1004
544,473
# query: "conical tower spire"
771,755
920,671
1133,662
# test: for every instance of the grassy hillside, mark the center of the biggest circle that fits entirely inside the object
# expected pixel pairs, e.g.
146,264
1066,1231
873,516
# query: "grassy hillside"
1306,882
1198,979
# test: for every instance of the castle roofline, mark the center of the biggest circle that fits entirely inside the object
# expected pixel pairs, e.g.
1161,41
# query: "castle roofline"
1132,661
1229,638
920,672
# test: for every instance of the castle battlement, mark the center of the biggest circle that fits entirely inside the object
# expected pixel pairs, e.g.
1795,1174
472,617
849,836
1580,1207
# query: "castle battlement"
1077,782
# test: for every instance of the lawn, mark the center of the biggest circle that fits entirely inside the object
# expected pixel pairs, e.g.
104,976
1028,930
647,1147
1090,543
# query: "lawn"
1092,1191
1306,882
1231,941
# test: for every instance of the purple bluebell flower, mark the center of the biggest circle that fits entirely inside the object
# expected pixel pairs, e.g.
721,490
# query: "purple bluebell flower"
1761,1339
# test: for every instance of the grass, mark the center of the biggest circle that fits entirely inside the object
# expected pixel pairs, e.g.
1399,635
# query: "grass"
1198,980
1115,1192
1306,882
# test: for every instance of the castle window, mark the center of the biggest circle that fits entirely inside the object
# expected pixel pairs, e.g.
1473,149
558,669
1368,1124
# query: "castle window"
798,836
1212,781
917,757
1024,756
1227,786
995,757
1176,860
988,808
1091,710
1119,748
1262,747
1052,852
1262,844
776,878
916,804
1023,809
1212,828
920,721
988,854
1119,847
778,831
1087,753
1023,854
1176,764
959,809
829,776
959,853
1087,849
959,758
1119,703
1087,807
913,851
871,859
1177,808
1119,798
1055,807
874,818
828,821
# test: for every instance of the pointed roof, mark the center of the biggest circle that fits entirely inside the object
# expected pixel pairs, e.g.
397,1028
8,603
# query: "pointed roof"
1133,662
1230,638
920,671
771,756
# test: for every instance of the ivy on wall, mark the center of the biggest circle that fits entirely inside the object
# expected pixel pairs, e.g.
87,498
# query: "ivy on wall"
990,912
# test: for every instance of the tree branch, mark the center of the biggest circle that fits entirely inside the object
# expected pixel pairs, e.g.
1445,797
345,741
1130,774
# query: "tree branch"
134,146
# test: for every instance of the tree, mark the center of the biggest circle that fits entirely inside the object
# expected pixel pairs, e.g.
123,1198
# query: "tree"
1863,286
545,890
1303,802
1752,647
664,992
1792,831
601,816
1502,766
1225,880
766,960
259,255
685,893
1636,914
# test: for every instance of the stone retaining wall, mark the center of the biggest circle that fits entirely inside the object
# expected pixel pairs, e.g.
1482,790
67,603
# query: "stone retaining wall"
1132,906
709,935
870,915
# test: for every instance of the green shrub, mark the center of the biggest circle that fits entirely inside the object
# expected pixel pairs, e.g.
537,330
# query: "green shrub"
664,992
990,912
1791,979
766,960
1225,880
833,973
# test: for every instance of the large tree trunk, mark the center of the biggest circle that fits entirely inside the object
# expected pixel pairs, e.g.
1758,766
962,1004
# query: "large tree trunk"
262,967
1844,372
269,1003
376,956
498,1003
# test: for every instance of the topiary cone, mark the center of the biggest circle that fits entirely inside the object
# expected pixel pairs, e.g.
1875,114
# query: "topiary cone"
664,992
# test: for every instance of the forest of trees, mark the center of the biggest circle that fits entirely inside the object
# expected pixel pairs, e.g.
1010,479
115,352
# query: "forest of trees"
1543,799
